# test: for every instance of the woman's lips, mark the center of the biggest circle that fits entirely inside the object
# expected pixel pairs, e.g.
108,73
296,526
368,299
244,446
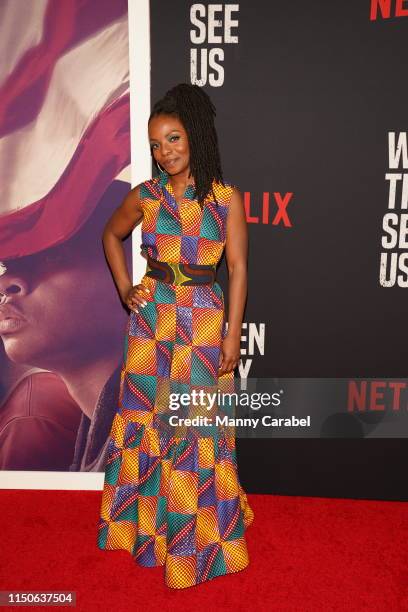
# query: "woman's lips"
11,325
170,162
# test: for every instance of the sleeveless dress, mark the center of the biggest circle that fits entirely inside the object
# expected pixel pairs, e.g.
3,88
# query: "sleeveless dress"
173,501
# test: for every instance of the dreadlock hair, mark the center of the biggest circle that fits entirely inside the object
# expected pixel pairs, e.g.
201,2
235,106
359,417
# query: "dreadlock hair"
192,105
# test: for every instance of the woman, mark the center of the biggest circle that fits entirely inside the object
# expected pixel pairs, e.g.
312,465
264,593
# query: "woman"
169,500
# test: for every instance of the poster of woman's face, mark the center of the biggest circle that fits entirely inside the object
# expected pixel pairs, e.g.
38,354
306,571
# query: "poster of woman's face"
64,159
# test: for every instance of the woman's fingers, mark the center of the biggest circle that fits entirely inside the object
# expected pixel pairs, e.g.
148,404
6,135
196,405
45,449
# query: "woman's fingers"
137,297
227,365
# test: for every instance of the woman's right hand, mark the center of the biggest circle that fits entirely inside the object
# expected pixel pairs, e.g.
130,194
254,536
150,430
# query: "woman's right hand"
135,297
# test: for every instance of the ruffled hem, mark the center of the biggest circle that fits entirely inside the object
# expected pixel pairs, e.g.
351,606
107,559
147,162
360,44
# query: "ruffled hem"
150,509
172,577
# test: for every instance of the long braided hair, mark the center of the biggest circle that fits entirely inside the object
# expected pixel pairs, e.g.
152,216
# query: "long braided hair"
192,105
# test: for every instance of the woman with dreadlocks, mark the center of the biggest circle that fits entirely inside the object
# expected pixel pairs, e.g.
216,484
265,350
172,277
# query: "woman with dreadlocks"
169,499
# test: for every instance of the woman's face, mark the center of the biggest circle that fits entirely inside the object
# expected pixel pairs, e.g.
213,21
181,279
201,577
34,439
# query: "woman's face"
62,300
169,144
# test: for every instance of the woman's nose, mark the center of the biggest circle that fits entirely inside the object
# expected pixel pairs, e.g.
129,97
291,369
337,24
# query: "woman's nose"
166,148
11,285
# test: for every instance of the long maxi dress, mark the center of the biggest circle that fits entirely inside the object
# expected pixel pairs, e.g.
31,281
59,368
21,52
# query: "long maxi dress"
171,501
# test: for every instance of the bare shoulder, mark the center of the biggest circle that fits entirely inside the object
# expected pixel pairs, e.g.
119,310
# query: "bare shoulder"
135,192
237,231
236,193
236,218
237,199
132,200
129,213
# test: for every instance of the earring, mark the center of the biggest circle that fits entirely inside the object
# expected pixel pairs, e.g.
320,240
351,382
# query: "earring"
159,167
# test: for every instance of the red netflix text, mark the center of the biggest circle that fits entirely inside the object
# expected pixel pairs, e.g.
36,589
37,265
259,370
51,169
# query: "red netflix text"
376,395
388,8
267,213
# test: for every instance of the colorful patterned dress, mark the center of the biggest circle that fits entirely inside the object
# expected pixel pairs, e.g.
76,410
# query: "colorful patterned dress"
169,500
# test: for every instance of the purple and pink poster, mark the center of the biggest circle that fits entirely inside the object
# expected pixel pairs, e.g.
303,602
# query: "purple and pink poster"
64,168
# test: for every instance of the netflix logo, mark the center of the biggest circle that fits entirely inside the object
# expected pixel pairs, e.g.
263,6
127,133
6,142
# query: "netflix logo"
270,209
384,9
377,395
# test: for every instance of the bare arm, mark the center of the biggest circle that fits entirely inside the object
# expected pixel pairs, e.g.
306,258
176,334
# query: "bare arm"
236,251
123,221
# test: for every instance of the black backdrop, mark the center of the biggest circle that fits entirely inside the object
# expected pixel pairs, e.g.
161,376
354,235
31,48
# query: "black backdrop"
310,92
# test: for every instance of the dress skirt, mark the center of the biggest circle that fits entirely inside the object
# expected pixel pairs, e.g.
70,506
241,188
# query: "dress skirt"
169,499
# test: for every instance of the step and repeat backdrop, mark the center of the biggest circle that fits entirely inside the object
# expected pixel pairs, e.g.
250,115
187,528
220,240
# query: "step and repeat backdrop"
312,123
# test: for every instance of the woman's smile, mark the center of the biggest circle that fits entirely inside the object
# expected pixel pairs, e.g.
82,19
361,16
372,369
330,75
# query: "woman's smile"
170,162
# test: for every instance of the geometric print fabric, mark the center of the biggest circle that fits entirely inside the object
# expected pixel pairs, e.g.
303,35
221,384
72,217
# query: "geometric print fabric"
171,500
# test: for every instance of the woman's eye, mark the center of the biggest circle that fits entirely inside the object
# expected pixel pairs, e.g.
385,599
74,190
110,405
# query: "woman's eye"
152,146
176,137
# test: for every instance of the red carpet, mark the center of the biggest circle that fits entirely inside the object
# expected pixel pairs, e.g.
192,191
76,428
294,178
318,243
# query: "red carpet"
306,554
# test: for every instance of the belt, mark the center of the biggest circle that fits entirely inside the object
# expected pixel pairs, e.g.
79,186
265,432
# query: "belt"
180,273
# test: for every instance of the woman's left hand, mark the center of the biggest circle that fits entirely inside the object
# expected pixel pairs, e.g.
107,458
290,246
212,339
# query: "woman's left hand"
230,354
